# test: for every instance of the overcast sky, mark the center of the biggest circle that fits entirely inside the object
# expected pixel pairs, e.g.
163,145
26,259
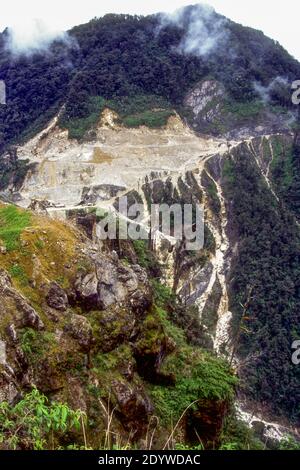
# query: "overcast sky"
277,19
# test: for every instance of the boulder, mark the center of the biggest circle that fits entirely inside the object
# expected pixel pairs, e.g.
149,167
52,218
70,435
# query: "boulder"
86,290
112,283
134,407
57,298
80,329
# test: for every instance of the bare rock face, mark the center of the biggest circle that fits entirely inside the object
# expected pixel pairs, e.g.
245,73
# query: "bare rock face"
113,283
23,314
39,206
81,330
204,100
134,406
57,297
102,192
87,222
208,421
8,388
86,290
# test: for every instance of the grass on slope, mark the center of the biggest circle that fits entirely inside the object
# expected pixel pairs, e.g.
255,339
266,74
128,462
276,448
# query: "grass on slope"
12,222
38,250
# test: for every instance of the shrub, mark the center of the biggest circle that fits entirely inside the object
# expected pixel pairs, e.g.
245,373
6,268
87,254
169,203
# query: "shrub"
35,343
35,423
199,377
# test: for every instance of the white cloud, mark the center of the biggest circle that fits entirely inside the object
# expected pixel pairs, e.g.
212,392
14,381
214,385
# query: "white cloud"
32,35
203,31
279,20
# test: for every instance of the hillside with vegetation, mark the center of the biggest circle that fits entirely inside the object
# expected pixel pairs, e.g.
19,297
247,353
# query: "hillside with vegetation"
131,344
120,57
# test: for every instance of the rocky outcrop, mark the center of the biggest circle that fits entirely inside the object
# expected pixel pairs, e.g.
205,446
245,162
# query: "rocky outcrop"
13,302
112,282
213,111
80,329
57,297
100,343
205,100
207,422
102,192
133,406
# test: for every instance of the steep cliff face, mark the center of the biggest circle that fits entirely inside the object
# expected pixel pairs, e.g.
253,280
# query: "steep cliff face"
212,111
228,292
87,327
244,286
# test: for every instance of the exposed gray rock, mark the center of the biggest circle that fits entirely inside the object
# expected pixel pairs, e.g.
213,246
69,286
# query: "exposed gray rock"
23,314
57,297
86,289
134,406
204,100
200,281
101,192
8,388
2,352
88,223
11,333
39,205
113,283
80,329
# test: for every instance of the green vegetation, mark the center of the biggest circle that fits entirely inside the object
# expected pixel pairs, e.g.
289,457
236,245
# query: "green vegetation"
282,164
228,171
200,377
35,423
12,222
148,118
143,255
78,126
285,170
120,57
170,328
267,265
236,435
35,343
142,110
212,193
39,244
245,110
17,272
146,258
14,172
133,111
109,362
289,443
163,295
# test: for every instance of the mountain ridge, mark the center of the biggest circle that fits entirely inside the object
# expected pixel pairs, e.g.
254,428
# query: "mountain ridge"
140,116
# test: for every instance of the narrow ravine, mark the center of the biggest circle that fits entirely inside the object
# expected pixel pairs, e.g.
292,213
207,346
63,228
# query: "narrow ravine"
222,335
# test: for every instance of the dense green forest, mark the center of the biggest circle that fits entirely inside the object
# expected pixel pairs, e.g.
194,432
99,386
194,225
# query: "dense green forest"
121,56
265,276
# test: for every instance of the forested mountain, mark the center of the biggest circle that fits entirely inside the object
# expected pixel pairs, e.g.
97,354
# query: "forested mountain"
123,56
183,108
